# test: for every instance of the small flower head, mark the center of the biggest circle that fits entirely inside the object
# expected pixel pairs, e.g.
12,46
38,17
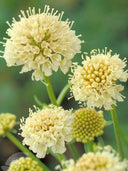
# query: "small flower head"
24,164
87,124
95,84
7,122
107,160
47,128
41,42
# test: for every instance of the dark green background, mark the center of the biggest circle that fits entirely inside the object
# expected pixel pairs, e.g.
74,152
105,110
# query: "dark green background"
102,24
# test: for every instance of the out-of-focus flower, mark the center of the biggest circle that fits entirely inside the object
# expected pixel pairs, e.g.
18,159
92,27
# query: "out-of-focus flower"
107,160
41,42
24,164
94,83
47,128
7,122
87,124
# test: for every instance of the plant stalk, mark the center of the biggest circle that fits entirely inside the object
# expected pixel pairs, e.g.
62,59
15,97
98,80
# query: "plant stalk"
62,94
26,151
117,132
73,151
50,90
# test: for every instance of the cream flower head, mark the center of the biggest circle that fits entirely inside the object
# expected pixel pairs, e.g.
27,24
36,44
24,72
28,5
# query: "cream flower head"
107,160
94,83
24,164
87,124
47,128
7,122
41,42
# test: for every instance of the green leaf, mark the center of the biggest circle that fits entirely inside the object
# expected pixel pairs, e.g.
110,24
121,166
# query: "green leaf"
39,103
109,123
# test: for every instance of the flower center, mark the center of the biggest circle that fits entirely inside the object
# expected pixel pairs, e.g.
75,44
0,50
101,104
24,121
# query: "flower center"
96,75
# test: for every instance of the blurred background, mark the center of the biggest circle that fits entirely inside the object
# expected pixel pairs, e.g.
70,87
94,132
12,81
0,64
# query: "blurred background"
102,24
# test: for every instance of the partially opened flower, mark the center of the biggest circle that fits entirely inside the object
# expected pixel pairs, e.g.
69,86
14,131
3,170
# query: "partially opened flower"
41,42
24,164
7,122
87,124
107,160
95,83
47,128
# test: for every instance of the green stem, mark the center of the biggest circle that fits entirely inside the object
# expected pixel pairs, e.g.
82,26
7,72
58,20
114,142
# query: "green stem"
101,141
50,91
62,94
90,146
116,129
58,157
123,136
86,149
26,151
73,151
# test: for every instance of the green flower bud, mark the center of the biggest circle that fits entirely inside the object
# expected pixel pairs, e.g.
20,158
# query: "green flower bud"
7,122
87,124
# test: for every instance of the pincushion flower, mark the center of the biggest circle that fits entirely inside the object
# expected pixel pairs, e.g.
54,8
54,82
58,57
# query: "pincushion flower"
24,164
95,82
41,42
87,124
107,160
7,122
47,128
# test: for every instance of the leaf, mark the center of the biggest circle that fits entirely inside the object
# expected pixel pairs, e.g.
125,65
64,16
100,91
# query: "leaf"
39,103
109,123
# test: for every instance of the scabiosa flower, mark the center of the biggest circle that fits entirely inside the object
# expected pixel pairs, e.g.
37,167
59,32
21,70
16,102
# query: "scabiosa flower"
47,128
7,122
24,164
107,160
87,124
95,84
41,42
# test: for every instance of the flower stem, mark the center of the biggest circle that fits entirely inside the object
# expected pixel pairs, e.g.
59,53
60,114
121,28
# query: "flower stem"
50,90
116,129
100,140
90,146
124,138
86,149
58,157
26,151
62,94
73,151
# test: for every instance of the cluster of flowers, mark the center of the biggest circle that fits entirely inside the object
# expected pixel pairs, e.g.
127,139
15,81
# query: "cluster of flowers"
44,44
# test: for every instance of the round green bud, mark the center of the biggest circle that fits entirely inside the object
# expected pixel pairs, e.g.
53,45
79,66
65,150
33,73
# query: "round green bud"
87,124
7,122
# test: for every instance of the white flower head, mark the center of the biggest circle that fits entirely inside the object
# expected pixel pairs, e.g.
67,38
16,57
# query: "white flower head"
47,128
41,42
95,83
106,160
